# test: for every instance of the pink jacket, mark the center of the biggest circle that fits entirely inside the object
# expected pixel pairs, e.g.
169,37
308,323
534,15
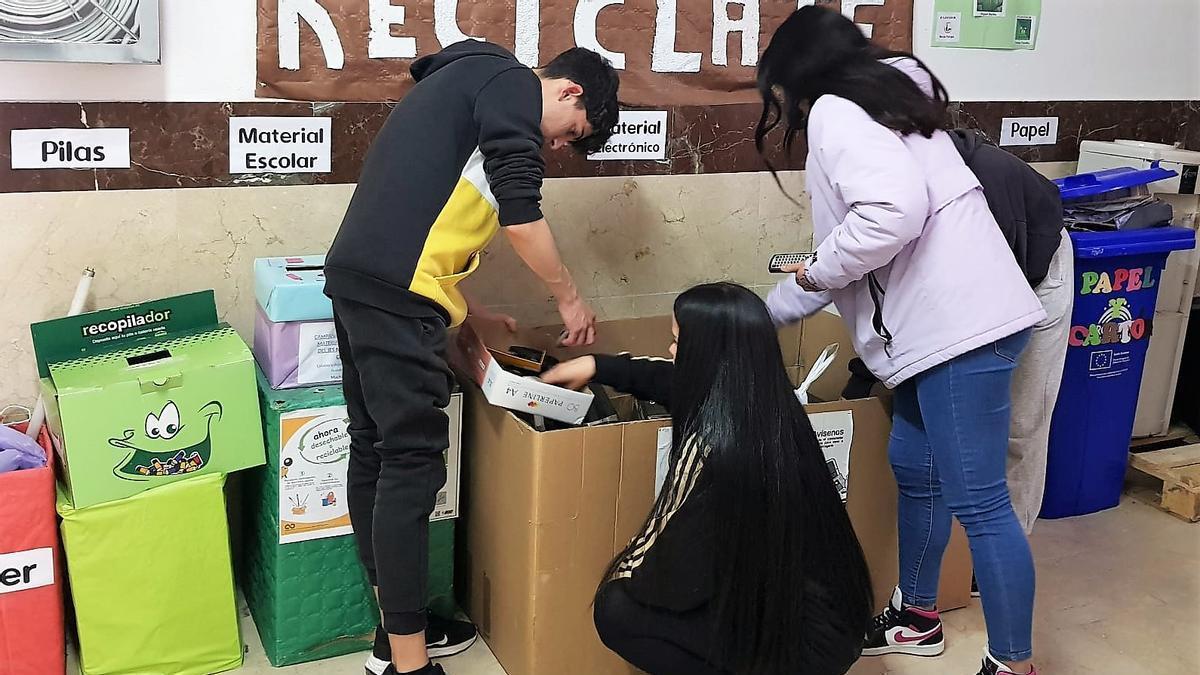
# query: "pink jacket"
906,246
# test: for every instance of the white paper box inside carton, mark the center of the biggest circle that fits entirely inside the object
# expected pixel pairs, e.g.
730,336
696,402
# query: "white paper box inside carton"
508,390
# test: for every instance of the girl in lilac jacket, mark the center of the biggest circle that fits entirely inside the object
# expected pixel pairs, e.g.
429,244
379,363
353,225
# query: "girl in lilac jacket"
910,254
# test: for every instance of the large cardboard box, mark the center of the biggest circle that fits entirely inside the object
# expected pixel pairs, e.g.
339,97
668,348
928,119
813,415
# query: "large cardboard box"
145,395
546,512
301,551
152,581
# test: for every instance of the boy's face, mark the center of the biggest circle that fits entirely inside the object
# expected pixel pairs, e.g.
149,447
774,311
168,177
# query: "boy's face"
563,118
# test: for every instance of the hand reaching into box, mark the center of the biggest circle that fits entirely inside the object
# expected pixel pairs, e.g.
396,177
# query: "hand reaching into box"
573,374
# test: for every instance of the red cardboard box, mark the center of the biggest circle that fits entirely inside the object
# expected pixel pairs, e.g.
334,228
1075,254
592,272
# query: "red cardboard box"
31,601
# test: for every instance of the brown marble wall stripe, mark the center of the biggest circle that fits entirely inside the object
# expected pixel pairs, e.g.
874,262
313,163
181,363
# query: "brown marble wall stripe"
183,145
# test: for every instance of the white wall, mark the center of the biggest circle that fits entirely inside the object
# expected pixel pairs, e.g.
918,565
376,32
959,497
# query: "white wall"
208,54
1088,50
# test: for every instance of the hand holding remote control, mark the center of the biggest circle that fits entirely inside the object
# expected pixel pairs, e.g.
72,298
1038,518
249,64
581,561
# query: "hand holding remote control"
784,263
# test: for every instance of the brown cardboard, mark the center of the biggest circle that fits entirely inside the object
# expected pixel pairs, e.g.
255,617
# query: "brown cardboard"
546,512
818,332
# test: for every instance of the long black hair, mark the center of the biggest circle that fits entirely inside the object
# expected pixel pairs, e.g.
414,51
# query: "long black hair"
779,523
817,51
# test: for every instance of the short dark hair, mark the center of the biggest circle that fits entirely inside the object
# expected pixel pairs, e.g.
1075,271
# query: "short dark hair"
599,80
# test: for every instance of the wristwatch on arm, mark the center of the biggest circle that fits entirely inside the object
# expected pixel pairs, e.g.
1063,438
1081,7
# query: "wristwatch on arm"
805,281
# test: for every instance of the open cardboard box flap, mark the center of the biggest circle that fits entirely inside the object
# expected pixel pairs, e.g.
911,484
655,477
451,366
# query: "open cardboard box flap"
546,512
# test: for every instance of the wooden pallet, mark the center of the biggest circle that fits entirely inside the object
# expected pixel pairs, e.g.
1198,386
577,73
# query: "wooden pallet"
1179,470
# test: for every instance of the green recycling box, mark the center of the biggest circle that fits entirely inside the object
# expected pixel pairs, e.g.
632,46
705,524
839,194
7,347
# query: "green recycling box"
151,581
145,395
299,569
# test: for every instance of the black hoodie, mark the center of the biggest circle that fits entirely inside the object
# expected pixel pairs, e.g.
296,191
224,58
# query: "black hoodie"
1027,206
459,157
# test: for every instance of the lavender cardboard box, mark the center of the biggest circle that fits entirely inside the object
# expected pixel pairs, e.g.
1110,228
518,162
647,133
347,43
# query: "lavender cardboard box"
296,353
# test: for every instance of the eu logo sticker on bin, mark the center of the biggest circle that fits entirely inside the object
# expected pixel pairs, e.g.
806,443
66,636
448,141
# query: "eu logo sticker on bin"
1102,360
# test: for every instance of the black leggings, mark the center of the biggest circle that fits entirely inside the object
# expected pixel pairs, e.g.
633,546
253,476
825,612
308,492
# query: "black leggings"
655,640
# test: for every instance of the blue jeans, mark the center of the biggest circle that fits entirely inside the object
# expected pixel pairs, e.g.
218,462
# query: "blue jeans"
948,450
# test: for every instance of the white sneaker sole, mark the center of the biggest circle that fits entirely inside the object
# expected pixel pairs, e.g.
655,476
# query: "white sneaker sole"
376,666
910,650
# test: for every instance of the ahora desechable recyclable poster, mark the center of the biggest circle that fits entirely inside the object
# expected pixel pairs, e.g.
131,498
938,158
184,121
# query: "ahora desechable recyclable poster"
314,450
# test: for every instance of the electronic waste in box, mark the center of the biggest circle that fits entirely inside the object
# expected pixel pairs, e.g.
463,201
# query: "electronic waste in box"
147,394
482,365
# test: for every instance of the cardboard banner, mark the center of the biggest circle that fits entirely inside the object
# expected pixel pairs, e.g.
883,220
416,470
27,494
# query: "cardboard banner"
669,52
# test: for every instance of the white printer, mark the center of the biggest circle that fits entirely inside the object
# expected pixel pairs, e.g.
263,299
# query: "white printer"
1100,155
1179,281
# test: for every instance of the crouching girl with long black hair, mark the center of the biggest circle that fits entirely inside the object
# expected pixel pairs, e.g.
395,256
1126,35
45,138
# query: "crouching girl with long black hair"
747,562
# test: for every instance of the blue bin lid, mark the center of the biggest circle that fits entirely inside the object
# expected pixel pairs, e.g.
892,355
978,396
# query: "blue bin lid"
1086,185
1133,242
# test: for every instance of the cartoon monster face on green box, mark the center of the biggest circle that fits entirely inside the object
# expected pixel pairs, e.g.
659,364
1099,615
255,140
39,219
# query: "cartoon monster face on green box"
154,412
169,447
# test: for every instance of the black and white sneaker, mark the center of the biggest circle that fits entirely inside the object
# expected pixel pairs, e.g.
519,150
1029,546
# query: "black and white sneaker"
443,638
991,666
381,654
974,587
447,637
905,630
434,669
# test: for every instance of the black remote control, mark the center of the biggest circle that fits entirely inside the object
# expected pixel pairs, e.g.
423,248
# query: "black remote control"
781,260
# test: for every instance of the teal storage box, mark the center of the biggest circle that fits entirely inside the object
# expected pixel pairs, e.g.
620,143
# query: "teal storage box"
300,571
292,288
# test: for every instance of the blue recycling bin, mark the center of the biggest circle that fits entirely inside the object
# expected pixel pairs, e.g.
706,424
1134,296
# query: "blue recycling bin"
1116,289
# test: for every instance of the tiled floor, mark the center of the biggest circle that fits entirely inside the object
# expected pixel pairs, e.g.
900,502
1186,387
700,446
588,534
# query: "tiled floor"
1118,593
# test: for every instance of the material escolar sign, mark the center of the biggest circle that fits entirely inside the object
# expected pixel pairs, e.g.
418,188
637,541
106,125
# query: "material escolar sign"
280,144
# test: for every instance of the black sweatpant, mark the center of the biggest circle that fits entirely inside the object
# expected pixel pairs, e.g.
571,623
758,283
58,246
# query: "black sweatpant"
396,383
655,640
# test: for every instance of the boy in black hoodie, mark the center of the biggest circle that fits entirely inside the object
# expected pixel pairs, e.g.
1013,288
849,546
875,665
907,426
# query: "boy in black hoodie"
459,159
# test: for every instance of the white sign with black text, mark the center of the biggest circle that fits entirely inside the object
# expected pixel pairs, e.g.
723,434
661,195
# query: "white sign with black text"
26,570
280,145
662,462
1029,131
835,433
70,148
639,134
